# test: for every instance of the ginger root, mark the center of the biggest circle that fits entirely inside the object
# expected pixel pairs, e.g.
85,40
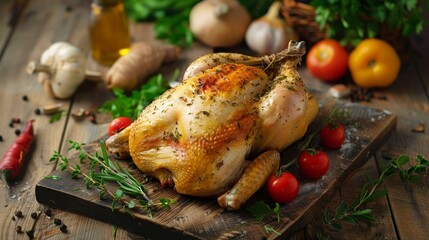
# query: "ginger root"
144,59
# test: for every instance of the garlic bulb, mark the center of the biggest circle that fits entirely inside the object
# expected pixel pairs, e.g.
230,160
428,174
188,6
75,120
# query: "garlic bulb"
219,23
269,33
61,69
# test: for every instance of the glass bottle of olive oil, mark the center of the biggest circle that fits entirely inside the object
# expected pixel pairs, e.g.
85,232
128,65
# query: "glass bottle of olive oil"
109,33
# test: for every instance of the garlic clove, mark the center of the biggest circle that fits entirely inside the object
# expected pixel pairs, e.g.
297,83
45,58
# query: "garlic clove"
51,109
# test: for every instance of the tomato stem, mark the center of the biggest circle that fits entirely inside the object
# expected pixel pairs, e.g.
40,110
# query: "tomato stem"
283,168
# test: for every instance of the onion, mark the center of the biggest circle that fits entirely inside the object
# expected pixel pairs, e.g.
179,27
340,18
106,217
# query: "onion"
219,23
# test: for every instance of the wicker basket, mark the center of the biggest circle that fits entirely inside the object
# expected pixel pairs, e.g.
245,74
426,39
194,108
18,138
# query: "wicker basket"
301,17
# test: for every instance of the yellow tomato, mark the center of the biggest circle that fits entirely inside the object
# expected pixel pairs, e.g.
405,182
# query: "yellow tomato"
374,63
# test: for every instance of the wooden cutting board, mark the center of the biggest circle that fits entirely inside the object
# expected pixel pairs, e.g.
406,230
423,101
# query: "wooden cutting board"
202,218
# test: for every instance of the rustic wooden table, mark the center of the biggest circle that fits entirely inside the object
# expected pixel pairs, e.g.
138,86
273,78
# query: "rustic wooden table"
27,27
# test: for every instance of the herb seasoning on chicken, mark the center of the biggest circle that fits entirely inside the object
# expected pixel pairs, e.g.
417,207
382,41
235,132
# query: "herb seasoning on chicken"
236,107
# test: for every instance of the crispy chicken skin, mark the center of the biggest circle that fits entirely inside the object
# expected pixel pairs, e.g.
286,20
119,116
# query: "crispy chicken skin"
197,136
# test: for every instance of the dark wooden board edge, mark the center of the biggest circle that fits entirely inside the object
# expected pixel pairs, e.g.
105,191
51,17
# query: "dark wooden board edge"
50,196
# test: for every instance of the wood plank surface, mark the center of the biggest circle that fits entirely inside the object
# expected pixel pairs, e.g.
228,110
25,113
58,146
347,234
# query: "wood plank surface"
25,44
403,214
10,12
184,220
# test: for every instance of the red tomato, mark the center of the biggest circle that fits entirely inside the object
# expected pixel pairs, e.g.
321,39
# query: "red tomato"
283,188
313,163
118,124
333,136
327,60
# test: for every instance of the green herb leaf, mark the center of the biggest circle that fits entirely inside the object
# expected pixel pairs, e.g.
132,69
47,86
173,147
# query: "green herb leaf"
361,212
376,195
350,220
337,227
341,209
402,160
270,229
56,117
131,105
53,177
260,210
165,202
131,204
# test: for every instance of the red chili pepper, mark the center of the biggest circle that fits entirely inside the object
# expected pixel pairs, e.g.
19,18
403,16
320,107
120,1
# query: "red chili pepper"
13,159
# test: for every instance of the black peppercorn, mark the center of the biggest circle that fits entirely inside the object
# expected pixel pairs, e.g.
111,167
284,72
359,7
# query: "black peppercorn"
18,214
17,132
38,111
34,215
1,138
25,98
19,229
57,221
48,212
63,228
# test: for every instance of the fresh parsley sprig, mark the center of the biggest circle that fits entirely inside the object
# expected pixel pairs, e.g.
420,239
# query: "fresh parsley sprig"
261,210
130,105
354,20
103,170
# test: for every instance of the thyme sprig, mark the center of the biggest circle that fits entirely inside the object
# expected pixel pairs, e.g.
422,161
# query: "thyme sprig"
356,212
103,170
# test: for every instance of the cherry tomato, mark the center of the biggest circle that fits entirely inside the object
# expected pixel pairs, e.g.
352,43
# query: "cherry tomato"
327,60
283,188
313,163
118,124
333,136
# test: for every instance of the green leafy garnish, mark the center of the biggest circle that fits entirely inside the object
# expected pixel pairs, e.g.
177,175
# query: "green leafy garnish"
260,210
354,20
130,105
171,18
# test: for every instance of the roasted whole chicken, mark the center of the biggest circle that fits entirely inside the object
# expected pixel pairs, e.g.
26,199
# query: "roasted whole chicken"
230,108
